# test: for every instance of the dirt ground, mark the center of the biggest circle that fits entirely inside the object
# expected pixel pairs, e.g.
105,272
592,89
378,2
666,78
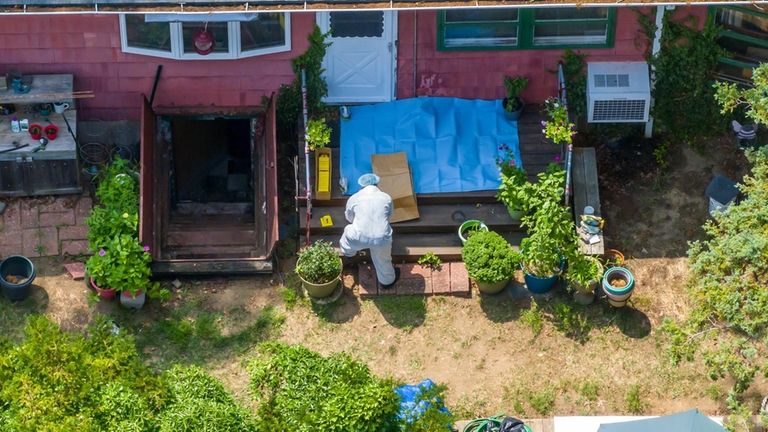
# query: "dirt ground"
485,348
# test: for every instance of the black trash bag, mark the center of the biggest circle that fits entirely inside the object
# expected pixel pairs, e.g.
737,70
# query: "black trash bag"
511,424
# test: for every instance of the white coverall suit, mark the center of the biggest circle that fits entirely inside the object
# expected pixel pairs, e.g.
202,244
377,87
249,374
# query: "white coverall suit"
368,213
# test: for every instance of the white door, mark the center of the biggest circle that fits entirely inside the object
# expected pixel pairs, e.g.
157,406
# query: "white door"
360,63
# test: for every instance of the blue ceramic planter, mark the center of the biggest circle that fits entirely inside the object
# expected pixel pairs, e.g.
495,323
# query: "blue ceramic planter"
539,285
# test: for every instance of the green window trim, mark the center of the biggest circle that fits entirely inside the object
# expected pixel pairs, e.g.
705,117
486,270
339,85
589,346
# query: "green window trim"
525,32
739,36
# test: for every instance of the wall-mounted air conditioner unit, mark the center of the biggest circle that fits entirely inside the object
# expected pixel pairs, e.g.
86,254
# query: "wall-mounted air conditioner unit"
618,92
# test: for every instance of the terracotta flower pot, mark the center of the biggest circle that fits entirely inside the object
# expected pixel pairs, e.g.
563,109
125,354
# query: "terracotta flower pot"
103,293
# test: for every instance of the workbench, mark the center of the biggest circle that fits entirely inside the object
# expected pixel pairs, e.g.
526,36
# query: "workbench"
49,171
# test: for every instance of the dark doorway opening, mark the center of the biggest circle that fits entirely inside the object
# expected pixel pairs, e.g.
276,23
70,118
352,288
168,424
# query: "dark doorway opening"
211,188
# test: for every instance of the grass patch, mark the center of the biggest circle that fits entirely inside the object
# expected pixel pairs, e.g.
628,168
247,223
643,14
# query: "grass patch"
589,390
533,318
543,402
634,400
405,312
191,335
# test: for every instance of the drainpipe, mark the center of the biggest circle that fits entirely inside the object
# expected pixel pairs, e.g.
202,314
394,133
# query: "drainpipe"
415,49
655,49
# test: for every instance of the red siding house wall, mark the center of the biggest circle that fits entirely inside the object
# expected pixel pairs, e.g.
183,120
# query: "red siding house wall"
88,46
479,74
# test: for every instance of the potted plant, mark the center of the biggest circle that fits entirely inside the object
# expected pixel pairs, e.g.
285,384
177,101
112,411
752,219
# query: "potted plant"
469,227
514,191
98,267
558,127
319,268
35,131
584,273
513,103
318,134
123,265
618,284
490,261
551,241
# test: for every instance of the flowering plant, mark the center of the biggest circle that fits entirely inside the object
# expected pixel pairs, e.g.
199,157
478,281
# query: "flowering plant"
124,265
512,190
557,128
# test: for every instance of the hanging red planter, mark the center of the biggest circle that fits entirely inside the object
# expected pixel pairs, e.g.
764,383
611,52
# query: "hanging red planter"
203,41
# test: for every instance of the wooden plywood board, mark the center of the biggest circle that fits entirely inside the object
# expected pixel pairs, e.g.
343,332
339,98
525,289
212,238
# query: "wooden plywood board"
396,181
63,147
45,88
586,192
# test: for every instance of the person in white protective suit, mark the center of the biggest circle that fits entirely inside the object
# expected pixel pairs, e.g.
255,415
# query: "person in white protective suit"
368,213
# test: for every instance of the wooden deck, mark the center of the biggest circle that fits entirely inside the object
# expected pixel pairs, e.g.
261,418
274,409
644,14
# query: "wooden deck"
442,213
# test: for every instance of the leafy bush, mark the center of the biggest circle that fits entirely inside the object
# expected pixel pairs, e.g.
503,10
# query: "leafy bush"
318,263
557,127
119,187
123,264
200,403
730,96
289,104
551,241
318,134
513,192
729,273
574,70
489,257
105,224
633,398
684,106
300,390
59,381
582,271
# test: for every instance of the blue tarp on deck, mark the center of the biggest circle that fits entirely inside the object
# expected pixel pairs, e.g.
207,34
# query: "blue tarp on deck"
452,144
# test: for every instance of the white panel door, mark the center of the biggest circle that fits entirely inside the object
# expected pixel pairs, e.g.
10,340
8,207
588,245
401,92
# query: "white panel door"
360,63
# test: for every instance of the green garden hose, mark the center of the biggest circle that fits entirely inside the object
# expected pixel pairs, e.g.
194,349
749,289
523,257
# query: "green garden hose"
488,424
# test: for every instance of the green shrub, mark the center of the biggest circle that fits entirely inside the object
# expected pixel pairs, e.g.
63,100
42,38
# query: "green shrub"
300,390
575,74
634,400
730,96
318,263
684,106
105,224
543,401
318,134
489,257
58,381
122,264
200,403
119,187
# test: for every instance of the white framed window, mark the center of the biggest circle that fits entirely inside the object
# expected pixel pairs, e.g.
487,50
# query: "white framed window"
267,33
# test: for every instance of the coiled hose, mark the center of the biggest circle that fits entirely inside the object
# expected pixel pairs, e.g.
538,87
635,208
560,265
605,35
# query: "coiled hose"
488,424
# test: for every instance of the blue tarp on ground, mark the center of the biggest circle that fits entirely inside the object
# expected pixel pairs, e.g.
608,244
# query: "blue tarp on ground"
452,144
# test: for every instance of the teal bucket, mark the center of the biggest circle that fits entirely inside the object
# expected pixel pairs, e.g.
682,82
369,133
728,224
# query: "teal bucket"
16,267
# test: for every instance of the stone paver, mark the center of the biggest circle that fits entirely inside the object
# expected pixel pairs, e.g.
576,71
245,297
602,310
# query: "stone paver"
37,242
74,247
76,270
416,280
46,226
66,218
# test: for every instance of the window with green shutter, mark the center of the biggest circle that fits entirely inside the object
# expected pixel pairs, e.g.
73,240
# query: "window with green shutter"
512,28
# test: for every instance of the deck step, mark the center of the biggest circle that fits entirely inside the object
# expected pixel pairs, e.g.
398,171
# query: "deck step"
434,218
212,237
410,247
208,252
